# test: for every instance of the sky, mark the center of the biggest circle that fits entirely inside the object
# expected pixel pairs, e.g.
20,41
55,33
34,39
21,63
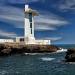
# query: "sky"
56,19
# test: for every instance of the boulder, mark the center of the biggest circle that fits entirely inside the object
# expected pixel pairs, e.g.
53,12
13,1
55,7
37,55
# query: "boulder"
70,55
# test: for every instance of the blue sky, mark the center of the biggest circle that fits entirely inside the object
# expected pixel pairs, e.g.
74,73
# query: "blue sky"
56,19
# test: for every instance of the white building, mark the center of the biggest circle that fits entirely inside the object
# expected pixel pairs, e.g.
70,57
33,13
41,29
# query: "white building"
29,25
29,29
43,42
38,41
6,40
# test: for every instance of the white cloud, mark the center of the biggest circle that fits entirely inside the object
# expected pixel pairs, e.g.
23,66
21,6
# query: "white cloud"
51,38
45,21
28,1
66,5
17,1
55,38
12,15
7,34
49,21
44,27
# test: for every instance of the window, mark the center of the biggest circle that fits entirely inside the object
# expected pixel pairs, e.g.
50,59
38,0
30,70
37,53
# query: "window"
30,25
31,30
21,39
30,17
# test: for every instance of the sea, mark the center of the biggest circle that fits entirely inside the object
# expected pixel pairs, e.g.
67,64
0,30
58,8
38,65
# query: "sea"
36,64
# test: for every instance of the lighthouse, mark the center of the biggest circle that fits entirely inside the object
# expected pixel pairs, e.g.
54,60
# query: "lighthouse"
29,37
29,25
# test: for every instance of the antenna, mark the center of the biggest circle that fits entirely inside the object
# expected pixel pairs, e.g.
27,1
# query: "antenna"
26,1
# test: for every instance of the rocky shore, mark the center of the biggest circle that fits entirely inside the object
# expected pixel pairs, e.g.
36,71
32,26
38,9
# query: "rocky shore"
10,48
70,55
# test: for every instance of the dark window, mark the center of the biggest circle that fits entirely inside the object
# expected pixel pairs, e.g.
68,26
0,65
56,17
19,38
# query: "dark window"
21,39
30,17
31,30
30,25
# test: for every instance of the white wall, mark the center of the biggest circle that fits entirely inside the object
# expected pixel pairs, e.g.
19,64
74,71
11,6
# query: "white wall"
27,25
43,42
6,40
31,40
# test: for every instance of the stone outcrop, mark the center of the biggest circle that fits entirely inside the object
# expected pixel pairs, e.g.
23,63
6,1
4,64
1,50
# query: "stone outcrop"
8,49
70,55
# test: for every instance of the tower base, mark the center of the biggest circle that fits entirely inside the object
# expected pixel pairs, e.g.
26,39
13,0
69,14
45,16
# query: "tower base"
30,40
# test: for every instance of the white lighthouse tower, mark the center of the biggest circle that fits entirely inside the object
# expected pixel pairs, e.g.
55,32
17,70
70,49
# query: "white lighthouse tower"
29,29
29,25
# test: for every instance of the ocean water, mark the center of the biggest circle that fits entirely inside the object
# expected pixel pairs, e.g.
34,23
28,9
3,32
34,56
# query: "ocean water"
67,46
36,64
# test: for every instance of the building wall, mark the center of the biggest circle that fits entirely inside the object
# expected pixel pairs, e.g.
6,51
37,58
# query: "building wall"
29,23
19,39
43,42
29,29
6,40
31,40
28,40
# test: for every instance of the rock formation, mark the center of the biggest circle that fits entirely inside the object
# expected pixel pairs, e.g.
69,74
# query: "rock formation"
70,55
8,49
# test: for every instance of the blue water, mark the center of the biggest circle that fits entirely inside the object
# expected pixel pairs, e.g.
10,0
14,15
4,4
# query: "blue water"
39,64
66,45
